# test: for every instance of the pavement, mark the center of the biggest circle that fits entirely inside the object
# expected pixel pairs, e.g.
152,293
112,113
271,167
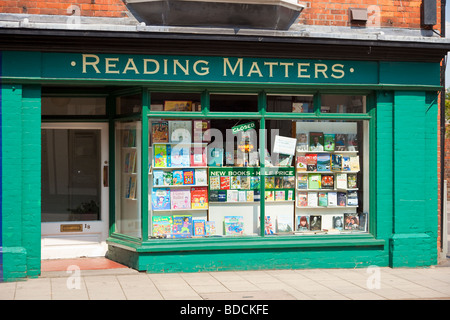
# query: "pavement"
79,282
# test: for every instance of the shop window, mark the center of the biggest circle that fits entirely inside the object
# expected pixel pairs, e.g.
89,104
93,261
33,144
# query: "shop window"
290,103
129,104
73,106
180,102
128,178
233,103
342,104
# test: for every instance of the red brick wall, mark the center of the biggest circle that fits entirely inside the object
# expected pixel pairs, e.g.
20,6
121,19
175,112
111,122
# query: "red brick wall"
385,13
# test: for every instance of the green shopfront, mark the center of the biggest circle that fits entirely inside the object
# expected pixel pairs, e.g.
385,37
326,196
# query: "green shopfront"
220,161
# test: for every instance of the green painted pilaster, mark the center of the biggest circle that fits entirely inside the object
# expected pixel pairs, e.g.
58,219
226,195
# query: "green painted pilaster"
412,241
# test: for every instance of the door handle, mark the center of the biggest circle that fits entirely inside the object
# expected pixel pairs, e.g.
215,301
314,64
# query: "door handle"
106,175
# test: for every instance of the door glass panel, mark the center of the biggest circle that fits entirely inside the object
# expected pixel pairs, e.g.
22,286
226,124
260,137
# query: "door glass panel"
71,175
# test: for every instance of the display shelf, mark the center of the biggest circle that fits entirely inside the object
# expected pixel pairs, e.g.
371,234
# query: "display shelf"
181,186
174,210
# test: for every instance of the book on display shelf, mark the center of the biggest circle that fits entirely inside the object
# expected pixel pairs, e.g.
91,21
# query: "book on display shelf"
201,177
162,155
329,141
161,226
180,199
316,141
234,225
161,199
284,223
177,177
302,223
182,226
198,227
188,177
302,142
160,131
199,197
180,156
315,222
167,178
210,228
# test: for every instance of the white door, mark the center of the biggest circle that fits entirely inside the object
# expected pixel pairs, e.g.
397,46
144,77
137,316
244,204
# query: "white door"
74,193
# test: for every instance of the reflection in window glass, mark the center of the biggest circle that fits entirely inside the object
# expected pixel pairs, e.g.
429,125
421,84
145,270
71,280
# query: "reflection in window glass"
290,103
169,101
129,104
73,106
233,103
343,104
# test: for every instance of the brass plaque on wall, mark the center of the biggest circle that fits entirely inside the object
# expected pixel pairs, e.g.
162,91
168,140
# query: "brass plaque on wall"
71,228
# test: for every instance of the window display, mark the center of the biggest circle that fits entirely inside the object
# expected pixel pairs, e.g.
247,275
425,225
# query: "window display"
213,178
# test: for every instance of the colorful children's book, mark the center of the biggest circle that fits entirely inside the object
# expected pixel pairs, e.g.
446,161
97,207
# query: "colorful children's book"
224,183
168,178
302,163
269,225
161,199
269,196
270,182
254,182
199,197
302,199
329,141
214,182
198,226
180,156
280,195
188,177
245,182
130,162
180,199
160,131
177,177
234,225
235,182
314,181
323,199
210,228
162,155
242,197
302,223
158,178
250,196
345,163
198,157
232,195
161,226
182,226
302,181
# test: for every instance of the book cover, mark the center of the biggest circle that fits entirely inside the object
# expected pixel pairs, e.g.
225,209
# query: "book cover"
288,182
341,180
341,199
351,181
302,199
234,225
363,221
132,189
214,182
158,178
188,177
278,182
302,142
168,178
352,142
338,222
215,157
232,195
210,228
177,177
270,182
302,181
162,155
341,142
345,163
201,177
182,226
352,198
269,225
198,227
327,181
161,226
269,195
175,105
323,199
235,182
250,196
242,196
180,156
280,195
161,199
200,132
198,157
257,195
199,197
316,141
315,222
130,162
284,223
224,183
180,199
290,195
354,164
332,199
329,143
336,162
213,195
313,200
302,223
160,131
351,221
311,162
223,195
314,181
302,163
245,182
255,182
323,162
